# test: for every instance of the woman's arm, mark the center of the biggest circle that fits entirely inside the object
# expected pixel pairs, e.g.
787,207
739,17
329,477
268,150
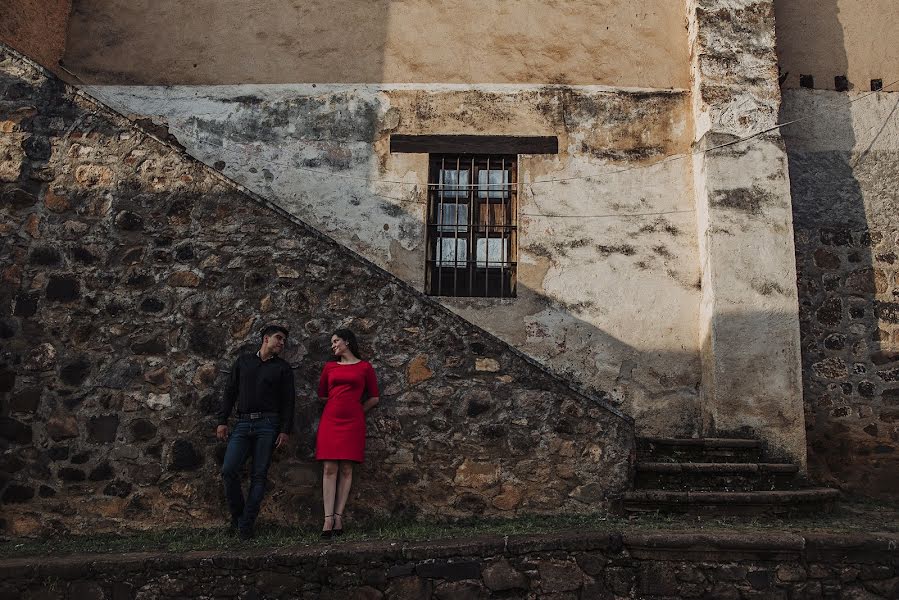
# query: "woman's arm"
323,385
371,386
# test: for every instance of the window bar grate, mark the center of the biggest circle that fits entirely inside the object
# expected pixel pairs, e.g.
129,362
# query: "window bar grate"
456,228
429,216
438,237
502,250
490,201
472,235
486,225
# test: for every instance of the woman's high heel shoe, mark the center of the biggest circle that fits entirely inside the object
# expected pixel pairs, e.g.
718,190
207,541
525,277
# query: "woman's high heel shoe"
327,533
333,522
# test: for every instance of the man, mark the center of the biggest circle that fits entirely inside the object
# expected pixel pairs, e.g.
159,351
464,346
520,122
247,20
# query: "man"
262,386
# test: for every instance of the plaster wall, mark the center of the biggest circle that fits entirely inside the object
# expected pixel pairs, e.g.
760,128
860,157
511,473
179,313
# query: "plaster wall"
827,38
611,42
844,171
608,284
36,27
748,311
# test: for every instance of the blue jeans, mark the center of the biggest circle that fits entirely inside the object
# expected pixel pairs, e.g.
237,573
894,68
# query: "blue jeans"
256,437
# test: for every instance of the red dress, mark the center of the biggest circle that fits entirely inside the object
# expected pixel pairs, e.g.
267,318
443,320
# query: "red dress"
341,433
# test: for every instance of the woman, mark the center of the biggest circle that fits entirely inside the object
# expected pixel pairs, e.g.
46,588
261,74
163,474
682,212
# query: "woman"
349,388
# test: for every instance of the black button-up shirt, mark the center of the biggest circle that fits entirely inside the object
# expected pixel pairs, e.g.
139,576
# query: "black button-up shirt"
260,386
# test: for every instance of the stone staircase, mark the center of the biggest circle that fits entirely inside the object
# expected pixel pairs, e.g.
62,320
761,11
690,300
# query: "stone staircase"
719,476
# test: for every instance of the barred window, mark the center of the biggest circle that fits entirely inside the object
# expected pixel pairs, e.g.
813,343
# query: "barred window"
472,225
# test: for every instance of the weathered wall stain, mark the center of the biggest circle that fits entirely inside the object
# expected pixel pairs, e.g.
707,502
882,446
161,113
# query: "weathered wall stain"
636,127
329,118
624,250
766,288
751,200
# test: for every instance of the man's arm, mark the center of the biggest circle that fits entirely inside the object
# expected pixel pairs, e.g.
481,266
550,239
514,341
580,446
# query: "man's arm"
288,400
285,406
229,398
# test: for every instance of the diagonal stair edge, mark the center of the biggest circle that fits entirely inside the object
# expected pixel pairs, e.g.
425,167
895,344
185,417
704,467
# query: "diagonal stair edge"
106,111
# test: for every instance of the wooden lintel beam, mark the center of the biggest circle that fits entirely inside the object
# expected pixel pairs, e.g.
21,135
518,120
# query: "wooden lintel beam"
474,144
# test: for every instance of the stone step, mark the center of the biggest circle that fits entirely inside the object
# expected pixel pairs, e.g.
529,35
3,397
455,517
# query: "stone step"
707,450
732,503
723,477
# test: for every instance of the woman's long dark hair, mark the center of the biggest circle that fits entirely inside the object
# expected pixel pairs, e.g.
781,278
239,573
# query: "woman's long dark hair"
350,338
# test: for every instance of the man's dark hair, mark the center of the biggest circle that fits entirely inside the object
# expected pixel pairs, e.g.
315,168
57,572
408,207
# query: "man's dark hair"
273,329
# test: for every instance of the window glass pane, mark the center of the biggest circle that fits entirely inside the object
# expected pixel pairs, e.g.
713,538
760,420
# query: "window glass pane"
492,251
453,218
455,183
493,183
451,252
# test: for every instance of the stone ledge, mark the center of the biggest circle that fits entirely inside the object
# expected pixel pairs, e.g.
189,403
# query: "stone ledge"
704,442
716,546
852,547
699,467
774,497
649,565
725,545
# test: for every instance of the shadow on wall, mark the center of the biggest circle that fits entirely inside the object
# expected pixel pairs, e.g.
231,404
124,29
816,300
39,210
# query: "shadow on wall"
844,254
211,42
232,42
836,44
807,31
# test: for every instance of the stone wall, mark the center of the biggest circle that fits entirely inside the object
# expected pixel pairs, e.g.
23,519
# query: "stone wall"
604,565
132,275
844,162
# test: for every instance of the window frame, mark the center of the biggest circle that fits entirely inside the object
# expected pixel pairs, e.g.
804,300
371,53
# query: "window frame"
489,216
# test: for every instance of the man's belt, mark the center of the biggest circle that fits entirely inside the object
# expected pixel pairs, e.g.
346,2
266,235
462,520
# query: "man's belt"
256,415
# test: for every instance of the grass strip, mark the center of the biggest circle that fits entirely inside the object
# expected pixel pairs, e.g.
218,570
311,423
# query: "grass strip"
855,516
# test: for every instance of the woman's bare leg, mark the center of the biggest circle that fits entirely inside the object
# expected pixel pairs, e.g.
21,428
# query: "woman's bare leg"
343,489
329,485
